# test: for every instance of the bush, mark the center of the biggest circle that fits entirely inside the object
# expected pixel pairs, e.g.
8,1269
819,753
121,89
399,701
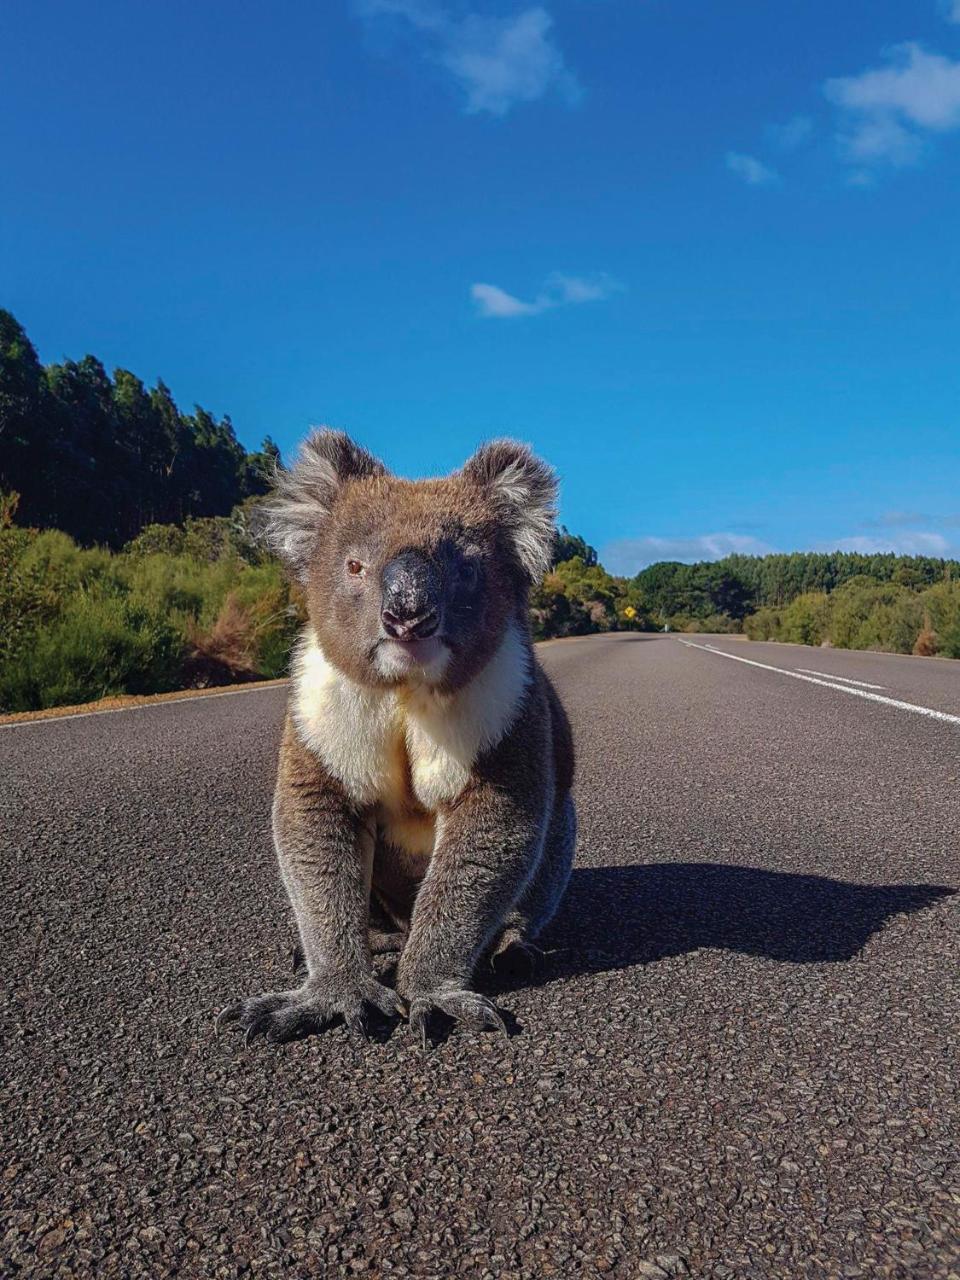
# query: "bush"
78,624
942,605
26,601
866,614
807,619
93,649
179,585
554,614
62,565
764,624
715,624
875,615
250,639
927,642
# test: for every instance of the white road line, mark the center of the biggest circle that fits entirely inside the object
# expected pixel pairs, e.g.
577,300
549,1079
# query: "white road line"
828,684
143,706
846,679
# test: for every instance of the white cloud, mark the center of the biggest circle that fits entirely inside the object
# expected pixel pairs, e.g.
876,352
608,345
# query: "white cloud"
754,172
498,62
494,301
911,542
951,10
628,556
888,113
794,132
897,519
557,291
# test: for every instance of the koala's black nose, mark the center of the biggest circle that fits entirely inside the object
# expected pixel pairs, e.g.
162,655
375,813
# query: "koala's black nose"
411,596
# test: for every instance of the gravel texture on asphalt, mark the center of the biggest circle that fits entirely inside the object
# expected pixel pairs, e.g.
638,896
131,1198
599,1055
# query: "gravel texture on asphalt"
738,1058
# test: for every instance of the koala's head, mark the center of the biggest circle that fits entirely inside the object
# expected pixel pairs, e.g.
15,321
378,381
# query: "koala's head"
413,581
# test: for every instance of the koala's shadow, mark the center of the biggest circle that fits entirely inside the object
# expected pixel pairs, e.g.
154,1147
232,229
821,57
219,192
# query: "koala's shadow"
624,637
619,917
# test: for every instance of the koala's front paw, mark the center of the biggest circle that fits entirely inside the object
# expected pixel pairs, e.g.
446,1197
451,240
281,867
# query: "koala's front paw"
469,1007
291,1015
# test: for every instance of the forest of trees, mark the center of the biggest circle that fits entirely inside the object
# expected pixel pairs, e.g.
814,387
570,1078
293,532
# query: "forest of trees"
100,457
740,585
130,560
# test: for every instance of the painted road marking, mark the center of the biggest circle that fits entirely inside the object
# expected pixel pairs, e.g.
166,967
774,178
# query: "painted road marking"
828,684
846,679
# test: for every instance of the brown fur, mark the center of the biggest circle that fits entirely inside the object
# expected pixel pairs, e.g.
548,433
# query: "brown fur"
433,800
385,515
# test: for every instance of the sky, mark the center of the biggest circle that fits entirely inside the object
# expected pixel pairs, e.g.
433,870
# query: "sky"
702,256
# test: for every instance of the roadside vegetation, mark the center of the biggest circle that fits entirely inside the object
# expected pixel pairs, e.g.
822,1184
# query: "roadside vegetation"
176,608
202,604
130,561
864,614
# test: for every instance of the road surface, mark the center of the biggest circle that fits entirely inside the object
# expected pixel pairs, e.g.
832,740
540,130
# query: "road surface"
739,1058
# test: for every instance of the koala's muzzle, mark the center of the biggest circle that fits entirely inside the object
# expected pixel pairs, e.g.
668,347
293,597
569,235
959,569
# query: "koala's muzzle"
412,591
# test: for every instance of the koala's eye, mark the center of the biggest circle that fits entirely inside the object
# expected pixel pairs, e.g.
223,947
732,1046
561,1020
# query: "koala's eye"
356,569
469,574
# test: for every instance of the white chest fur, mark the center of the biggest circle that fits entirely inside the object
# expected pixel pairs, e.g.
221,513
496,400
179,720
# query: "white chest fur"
381,744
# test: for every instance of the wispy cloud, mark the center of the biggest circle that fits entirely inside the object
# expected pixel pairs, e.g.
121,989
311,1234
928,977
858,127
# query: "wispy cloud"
794,132
951,10
491,300
909,542
888,114
753,171
558,291
628,556
497,61
899,519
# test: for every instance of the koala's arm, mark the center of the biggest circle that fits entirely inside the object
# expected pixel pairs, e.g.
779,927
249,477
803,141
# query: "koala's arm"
489,842
325,852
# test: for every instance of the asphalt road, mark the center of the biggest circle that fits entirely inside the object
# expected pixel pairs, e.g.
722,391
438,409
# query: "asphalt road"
740,1058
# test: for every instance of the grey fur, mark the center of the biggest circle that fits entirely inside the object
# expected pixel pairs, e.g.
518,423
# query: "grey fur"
306,493
501,825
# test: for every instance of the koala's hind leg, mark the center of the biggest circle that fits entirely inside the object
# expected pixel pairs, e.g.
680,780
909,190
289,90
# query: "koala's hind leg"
513,948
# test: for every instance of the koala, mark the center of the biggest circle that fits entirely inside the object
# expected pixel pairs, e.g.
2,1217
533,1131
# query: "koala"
423,799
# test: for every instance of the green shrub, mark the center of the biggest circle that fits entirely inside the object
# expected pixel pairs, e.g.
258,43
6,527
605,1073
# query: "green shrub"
875,615
156,539
26,600
715,624
179,585
806,620
94,648
64,566
764,624
942,604
892,626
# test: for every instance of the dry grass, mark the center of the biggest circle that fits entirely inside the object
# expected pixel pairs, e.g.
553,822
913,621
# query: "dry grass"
225,653
926,644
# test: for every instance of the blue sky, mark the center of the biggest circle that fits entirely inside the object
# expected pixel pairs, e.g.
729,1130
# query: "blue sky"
703,256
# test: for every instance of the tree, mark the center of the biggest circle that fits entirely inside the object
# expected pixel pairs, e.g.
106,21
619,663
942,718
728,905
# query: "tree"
24,419
101,459
568,545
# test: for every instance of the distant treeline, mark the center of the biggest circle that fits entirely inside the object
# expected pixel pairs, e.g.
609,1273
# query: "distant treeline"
740,585
100,457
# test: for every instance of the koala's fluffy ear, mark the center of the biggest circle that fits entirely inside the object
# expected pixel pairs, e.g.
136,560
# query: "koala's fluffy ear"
523,491
304,494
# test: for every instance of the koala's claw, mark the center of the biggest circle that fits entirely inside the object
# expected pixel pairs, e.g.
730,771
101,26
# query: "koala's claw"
280,1016
468,1007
